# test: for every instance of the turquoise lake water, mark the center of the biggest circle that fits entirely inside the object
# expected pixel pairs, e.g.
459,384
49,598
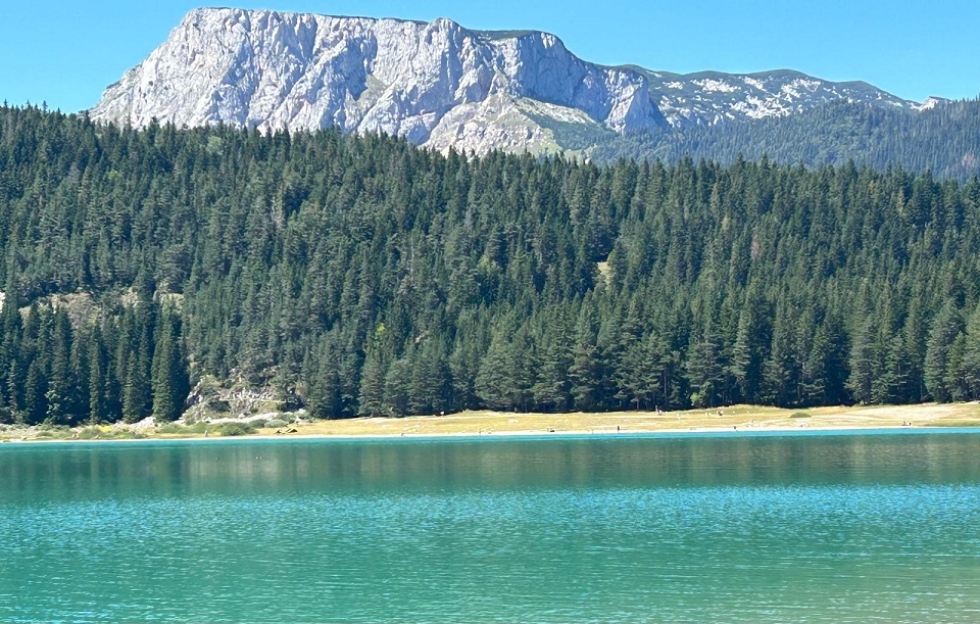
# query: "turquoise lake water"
710,528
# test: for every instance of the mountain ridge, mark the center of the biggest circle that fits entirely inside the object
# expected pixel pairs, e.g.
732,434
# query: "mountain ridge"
438,84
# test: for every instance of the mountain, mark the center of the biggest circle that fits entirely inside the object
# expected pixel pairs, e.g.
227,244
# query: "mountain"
437,84
710,98
941,136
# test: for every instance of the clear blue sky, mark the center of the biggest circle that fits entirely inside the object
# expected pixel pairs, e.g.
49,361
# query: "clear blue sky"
66,53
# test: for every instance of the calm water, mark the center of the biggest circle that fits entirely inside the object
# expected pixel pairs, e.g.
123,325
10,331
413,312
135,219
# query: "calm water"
760,529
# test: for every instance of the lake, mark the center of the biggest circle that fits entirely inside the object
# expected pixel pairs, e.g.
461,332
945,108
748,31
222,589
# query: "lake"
733,527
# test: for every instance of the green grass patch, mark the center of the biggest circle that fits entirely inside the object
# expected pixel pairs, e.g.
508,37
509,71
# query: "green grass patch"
177,429
52,434
171,428
202,428
799,415
573,135
91,433
112,433
235,429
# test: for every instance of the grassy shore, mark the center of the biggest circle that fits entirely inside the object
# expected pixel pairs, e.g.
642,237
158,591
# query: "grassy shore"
739,417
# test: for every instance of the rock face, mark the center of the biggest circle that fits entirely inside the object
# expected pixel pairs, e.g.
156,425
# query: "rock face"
708,98
437,84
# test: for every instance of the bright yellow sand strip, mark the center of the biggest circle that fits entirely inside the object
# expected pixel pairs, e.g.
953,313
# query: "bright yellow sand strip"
738,417
742,417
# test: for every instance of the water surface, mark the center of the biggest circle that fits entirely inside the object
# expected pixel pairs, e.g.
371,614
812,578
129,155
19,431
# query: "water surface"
733,528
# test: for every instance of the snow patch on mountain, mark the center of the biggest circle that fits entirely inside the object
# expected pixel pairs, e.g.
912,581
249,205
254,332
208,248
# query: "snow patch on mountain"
708,98
715,86
930,103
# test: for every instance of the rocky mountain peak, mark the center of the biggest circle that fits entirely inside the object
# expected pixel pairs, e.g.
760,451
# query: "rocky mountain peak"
437,84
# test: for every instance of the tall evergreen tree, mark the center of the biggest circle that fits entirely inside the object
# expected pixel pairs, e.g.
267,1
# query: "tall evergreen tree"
170,380
98,408
946,327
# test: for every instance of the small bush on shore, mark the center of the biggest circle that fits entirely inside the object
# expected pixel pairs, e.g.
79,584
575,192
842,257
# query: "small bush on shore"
799,415
48,431
235,429
172,428
54,433
90,433
275,423
193,429
198,428
112,433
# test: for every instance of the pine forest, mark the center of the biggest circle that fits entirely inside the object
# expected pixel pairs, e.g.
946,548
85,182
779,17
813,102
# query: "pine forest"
944,139
364,276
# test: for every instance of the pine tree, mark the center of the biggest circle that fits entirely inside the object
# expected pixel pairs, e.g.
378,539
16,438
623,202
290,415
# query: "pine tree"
170,380
371,398
639,372
704,370
35,391
750,348
585,372
397,383
136,394
970,362
946,327
322,394
60,394
861,362
500,383
16,391
551,390
783,370
97,390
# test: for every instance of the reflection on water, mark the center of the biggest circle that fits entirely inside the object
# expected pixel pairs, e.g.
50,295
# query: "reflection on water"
197,467
816,528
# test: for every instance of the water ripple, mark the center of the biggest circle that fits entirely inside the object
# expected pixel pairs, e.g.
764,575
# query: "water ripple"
322,539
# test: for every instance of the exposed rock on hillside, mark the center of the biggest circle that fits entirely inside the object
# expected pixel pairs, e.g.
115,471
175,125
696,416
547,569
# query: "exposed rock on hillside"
437,84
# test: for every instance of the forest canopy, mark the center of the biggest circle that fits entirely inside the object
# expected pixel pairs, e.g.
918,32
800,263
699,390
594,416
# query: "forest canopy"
365,276
944,139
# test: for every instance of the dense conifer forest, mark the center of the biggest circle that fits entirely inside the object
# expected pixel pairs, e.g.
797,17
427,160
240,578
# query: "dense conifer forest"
944,139
364,276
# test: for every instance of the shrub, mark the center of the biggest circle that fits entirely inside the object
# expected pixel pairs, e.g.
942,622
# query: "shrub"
220,406
55,428
275,423
54,433
234,429
90,433
799,415
172,428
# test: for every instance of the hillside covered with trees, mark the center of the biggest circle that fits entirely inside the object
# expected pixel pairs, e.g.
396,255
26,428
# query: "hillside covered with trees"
944,139
366,276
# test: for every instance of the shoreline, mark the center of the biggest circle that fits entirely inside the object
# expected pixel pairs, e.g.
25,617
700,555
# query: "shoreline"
733,420
515,435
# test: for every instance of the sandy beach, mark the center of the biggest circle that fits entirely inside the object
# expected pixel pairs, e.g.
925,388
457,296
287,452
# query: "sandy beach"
487,423
739,417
